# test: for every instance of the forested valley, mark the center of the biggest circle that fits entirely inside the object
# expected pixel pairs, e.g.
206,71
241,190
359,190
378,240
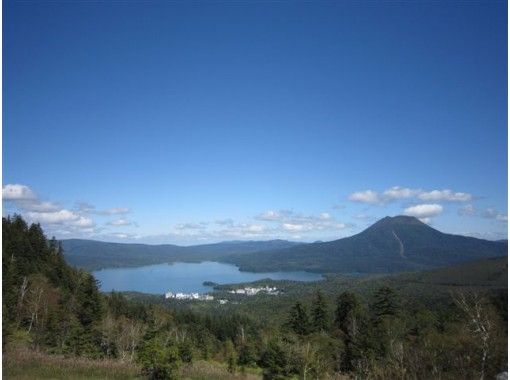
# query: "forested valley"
53,311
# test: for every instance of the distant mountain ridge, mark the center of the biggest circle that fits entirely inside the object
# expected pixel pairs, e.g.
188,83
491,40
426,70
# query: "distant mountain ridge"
392,244
93,254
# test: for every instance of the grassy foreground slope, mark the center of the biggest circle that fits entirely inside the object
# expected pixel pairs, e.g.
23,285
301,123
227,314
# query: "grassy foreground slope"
381,327
26,364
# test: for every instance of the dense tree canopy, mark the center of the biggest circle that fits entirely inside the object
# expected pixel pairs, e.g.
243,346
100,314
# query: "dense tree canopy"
51,306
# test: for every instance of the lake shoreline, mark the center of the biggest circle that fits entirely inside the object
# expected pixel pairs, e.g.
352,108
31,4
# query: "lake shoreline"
187,277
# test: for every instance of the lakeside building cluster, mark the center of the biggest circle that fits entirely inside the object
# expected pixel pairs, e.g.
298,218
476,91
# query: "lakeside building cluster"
189,296
249,291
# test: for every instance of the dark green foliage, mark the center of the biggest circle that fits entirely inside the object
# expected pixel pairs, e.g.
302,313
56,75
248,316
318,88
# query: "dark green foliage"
92,255
276,361
386,304
60,306
348,314
320,313
118,305
186,351
386,327
247,355
231,356
159,359
299,321
350,319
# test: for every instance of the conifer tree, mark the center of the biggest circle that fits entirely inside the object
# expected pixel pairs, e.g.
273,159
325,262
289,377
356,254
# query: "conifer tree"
386,304
320,317
299,321
349,319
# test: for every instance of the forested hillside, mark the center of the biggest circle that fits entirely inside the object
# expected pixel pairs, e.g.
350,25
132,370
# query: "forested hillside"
92,255
54,315
393,244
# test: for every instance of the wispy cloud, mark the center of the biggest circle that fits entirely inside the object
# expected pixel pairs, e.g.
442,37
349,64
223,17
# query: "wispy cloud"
444,195
54,217
114,211
61,217
491,213
86,207
424,210
467,210
273,216
17,192
225,222
488,213
120,222
289,220
192,226
269,224
367,196
398,193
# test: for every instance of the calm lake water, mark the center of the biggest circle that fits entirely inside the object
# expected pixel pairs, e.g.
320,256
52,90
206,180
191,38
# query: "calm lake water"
185,277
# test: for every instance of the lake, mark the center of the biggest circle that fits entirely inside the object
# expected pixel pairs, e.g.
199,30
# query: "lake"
186,277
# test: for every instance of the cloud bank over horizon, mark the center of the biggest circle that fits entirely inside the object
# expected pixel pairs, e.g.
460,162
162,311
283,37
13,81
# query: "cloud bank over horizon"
84,220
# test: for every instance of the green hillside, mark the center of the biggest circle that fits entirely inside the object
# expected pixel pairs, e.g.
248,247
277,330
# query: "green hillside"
93,255
393,244
56,325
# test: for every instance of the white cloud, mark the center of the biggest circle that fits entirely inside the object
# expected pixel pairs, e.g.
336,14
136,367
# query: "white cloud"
467,210
367,196
255,228
424,210
397,192
88,208
293,227
325,216
201,231
191,226
491,235
225,222
120,222
83,222
272,216
85,207
17,192
312,227
444,195
55,218
491,213
60,217
42,207
115,211
289,220
269,225
124,235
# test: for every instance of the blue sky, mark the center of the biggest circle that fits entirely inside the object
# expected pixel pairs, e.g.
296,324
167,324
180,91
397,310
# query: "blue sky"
188,123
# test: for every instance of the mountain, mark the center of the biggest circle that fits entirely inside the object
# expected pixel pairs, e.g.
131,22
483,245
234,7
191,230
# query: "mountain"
92,254
393,244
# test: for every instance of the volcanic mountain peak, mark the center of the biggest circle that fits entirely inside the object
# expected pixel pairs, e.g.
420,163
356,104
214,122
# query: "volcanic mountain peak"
399,220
